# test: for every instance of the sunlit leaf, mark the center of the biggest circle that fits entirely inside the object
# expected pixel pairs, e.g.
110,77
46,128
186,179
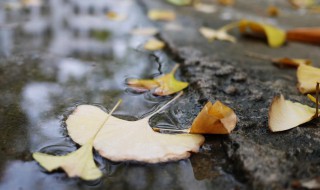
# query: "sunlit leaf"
306,35
180,2
214,118
205,8
219,34
163,85
284,114
163,15
76,164
275,36
302,3
115,16
308,77
149,31
226,2
122,140
154,45
291,62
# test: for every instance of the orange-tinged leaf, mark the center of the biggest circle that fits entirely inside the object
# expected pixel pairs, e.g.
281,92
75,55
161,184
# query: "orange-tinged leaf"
163,85
273,11
214,118
226,2
306,35
308,76
163,15
291,62
154,45
284,114
275,36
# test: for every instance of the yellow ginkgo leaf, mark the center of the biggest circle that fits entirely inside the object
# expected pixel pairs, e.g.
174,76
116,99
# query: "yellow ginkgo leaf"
214,118
163,85
308,77
154,45
148,31
284,114
275,36
122,140
162,15
219,34
76,164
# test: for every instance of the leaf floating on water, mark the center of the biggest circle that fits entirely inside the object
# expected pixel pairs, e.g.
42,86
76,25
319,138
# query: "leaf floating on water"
219,34
76,164
205,8
180,2
163,85
154,45
161,15
284,114
302,3
291,62
150,31
115,16
121,140
226,2
214,118
308,77
275,36
306,35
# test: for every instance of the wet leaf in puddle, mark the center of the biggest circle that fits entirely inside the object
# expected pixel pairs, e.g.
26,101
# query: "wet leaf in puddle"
121,140
205,8
79,163
275,36
149,31
306,35
180,2
154,45
214,118
219,34
161,15
163,85
285,114
308,76
115,16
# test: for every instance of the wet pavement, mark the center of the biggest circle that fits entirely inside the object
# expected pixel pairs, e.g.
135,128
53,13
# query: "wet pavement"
63,53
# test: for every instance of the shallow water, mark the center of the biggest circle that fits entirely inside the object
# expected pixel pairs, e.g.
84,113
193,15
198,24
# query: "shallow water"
62,53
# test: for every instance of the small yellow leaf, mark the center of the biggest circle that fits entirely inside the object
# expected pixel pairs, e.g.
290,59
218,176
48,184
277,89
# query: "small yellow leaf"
284,114
275,36
76,164
214,118
163,15
154,45
163,85
291,62
308,77
150,31
219,34
205,8
115,16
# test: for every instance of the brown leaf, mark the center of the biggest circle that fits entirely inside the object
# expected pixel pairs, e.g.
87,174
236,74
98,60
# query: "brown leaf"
291,62
306,35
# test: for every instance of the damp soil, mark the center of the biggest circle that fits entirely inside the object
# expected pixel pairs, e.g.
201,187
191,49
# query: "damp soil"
64,53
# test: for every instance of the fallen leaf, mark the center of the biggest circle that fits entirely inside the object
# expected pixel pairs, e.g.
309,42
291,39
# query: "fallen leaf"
150,31
302,3
273,11
121,140
163,15
220,34
115,16
306,35
214,118
180,2
76,164
311,183
31,3
163,85
226,2
79,163
291,62
275,36
284,114
308,76
101,35
154,45
205,8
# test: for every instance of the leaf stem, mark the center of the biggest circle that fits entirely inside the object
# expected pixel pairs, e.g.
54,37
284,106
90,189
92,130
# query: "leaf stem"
229,26
173,71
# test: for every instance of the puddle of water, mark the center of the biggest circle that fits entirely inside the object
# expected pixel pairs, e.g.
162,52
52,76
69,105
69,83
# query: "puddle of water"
50,62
